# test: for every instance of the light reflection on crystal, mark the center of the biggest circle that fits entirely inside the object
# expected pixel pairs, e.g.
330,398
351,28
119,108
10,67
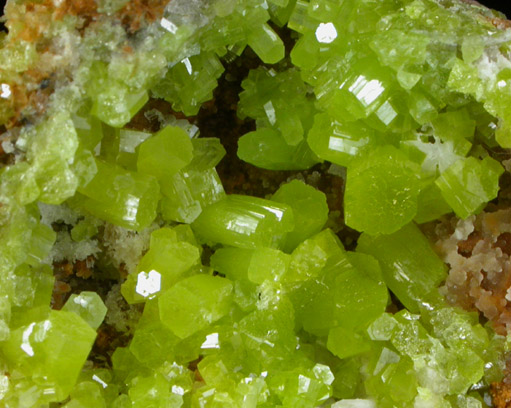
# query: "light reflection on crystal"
99,381
386,113
25,345
244,224
188,65
269,343
211,342
303,384
40,334
131,209
5,91
49,391
277,212
168,25
148,283
176,389
366,91
81,301
348,146
326,33
270,112
4,385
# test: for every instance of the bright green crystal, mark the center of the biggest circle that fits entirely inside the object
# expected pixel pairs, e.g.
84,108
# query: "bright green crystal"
42,349
114,101
345,294
345,343
309,208
190,82
410,267
194,303
166,261
266,44
52,172
196,185
152,391
245,222
284,114
153,342
336,141
309,258
119,196
165,153
228,300
381,191
468,184
267,149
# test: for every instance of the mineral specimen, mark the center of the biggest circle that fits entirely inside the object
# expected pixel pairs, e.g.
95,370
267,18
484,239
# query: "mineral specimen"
254,203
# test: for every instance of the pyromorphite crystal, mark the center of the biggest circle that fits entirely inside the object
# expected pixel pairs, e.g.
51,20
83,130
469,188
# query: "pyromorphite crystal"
284,114
336,141
89,306
410,267
51,151
267,149
172,252
114,116
343,294
245,222
153,343
119,196
309,258
195,186
309,208
152,390
190,82
159,269
187,193
266,44
381,191
52,351
117,104
165,153
267,264
86,394
346,343
194,303
470,183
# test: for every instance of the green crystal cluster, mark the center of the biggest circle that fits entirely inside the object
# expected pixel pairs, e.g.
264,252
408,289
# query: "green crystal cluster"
250,301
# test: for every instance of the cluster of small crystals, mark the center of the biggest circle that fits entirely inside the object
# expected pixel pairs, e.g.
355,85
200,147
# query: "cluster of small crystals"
248,301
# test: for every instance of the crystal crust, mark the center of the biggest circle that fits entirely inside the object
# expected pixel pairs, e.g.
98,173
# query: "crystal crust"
240,203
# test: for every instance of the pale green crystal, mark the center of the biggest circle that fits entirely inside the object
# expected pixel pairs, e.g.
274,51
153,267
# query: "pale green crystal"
194,303
89,306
